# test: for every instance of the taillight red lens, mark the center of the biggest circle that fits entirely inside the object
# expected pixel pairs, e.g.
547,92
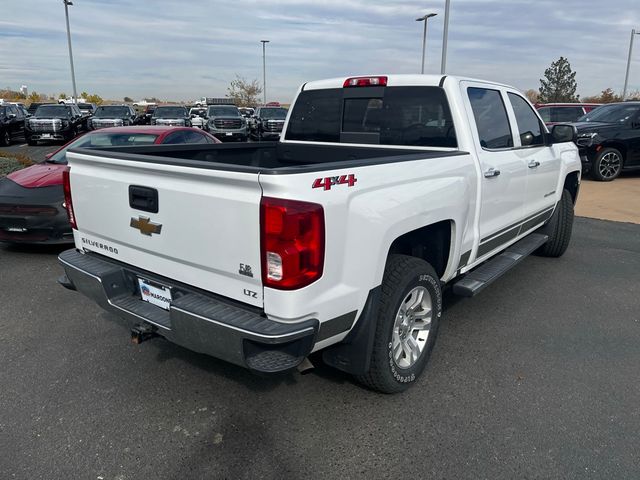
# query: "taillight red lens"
292,242
365,82
68,203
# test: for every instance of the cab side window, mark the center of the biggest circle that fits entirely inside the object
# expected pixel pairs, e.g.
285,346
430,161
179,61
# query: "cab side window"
491,117
531,132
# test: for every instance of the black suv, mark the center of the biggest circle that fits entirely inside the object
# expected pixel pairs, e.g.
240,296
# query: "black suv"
113,116
609,140
11,123
171,115
54,122
267,123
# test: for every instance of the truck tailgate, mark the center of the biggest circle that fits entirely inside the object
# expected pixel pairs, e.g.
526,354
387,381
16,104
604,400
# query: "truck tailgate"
210,224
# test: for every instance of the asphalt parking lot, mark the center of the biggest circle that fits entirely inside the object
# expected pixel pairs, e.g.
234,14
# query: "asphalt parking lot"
535,378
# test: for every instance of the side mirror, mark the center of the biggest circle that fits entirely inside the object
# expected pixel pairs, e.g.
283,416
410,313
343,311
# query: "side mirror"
564,133
526,139
12,115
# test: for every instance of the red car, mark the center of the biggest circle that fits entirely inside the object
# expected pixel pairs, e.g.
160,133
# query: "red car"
553,113
31,199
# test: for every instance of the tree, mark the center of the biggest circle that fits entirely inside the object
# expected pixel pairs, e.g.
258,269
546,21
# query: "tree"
245,94
84,95
128,99
34,97
532,95
606,96
97,99
559,84
62,96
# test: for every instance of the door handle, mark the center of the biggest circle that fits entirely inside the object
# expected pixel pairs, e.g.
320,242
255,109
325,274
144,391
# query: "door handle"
492,172
534,164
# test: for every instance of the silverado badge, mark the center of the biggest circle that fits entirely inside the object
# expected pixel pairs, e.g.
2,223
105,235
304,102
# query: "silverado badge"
145,225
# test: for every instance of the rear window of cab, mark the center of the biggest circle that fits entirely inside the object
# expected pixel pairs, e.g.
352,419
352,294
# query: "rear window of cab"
412,116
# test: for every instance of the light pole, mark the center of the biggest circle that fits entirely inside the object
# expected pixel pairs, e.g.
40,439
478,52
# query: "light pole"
443,64
626,77
424,35
264,71
67,4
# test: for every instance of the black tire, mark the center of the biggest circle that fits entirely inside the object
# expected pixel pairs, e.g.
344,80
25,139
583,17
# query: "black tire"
402,274
5,138
608,165
559,228
30,141
73,133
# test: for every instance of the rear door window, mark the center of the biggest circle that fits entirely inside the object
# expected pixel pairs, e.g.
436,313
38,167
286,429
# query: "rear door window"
413,116
491,118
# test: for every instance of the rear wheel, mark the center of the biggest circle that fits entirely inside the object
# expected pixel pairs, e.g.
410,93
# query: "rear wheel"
406,325
559,228
608,165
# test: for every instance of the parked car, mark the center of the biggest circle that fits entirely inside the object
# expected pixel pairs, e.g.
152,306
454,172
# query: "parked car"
12,120
226,123
54,122
553,113
338,238
34,106
171,115
31,199
609,140
267,123
113,116
247,112
145,118
198,115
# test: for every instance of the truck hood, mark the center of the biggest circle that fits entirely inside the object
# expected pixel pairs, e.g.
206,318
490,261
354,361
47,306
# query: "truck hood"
41,175
588,127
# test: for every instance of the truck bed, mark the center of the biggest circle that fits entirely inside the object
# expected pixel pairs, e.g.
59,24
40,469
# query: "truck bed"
266,157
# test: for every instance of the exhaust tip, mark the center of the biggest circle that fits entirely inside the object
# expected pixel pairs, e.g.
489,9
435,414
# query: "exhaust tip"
305,366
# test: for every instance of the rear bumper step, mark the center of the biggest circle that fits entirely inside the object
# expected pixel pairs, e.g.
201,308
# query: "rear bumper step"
474,282
199,322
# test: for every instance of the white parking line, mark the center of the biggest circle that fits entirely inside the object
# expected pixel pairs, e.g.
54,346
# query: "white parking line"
23,145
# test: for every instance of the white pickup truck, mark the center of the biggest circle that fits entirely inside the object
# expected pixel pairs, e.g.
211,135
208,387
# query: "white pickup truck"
340,237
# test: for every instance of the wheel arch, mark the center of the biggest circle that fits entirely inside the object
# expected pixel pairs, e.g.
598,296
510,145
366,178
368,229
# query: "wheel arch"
620,146
431,243
572,183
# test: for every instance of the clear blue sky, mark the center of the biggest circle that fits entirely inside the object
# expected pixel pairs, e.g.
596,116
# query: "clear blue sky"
184,49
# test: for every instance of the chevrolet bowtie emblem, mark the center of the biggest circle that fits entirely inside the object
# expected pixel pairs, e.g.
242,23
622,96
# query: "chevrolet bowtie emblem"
145,225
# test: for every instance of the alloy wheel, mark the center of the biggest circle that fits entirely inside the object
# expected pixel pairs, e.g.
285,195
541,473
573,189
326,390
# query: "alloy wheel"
610,165
411,327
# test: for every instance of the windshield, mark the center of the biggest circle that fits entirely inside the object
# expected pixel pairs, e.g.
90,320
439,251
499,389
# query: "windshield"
102,139
611,113
170,112
52,111
118,112
223,112
275,113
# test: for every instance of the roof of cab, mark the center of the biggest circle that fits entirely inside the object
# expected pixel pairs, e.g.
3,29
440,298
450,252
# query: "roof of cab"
395,80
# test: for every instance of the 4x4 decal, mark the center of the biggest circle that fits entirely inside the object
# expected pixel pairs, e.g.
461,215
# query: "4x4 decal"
327,182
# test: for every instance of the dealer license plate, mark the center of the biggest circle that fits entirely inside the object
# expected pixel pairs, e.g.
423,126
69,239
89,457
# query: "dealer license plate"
228,134
155,293
46,135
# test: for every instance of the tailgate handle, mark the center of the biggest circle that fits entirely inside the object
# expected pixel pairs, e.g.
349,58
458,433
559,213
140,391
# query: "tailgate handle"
143,198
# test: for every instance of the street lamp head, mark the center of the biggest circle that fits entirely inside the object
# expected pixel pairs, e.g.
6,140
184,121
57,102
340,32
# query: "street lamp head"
265,41
426,17
67,2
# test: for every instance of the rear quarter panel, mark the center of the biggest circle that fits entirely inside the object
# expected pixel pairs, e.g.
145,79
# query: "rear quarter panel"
362,222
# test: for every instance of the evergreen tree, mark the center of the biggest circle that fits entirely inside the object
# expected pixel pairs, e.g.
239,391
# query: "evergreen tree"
559,84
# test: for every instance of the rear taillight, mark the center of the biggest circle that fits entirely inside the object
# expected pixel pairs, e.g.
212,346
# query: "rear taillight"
292,242
365,82
68,203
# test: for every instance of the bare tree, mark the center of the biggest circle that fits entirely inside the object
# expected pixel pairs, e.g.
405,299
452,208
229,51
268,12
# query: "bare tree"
244,93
